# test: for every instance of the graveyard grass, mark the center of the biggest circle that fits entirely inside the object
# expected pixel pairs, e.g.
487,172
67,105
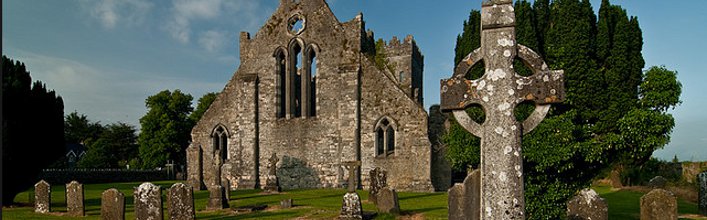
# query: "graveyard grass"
308,203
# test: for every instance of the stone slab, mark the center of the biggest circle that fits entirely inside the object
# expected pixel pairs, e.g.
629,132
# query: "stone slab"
659,204
148,202
112,205
702,194
351,207
388,201
181,202
42,197
587,205
74,199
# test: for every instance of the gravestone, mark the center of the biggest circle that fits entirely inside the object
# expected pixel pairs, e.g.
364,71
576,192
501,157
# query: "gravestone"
659,204
286,203
499,91
42,197
464,201
702,194
378,181
272,185
217,198
351,206
74,199
181,202
587,205
657,182
112,205
148,201
388,201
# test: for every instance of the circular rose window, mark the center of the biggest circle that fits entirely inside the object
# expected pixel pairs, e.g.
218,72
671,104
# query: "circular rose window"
296,24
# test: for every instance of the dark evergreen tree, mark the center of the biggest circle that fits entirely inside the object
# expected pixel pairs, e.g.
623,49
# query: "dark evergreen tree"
33,128
612,115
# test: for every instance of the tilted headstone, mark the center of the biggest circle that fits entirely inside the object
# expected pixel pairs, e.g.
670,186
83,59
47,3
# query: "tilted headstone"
464,201
378,181
74,199
148,202
455,202
286,203
42,197
112,205
499,91
351,205
702,194
388,201
658,182
217,198
587,205
659,204
181,202
272,184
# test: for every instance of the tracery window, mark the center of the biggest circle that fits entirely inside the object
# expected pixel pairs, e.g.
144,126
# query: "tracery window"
220,142
385,137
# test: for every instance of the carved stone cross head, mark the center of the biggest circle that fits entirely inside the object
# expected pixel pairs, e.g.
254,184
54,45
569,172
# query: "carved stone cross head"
351,166
498,92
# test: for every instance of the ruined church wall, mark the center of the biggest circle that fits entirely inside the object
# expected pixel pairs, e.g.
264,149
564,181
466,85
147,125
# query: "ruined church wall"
316,145
409,167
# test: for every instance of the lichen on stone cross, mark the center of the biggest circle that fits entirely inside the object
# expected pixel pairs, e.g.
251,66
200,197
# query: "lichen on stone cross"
499,91
351,166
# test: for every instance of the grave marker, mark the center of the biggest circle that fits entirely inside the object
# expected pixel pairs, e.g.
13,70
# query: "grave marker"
148,202
74,199
112,205
181,202
42,197
498,92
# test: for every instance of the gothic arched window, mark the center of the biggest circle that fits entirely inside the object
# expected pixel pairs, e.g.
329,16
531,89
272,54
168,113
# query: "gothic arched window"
282,79
385,137
220,141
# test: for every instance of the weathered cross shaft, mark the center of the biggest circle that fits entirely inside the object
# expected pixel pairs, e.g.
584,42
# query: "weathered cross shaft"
498,91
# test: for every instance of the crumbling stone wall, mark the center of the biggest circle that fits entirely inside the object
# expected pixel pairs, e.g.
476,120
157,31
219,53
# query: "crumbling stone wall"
351,94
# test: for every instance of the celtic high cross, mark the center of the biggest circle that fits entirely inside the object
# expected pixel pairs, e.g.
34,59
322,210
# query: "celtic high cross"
498,91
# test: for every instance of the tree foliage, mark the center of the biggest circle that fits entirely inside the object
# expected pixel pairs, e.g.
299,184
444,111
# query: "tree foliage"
33,124
613,114
115,147
165,129
204,103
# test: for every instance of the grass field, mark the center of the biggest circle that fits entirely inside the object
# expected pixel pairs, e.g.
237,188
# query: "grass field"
309,204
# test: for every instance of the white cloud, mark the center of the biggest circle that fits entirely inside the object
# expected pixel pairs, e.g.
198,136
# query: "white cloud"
243,13
113,12
212,40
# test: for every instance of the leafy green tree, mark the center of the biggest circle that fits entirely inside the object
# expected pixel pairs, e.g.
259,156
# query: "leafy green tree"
166,127
614,114
115,147
33,128
77,128
204,103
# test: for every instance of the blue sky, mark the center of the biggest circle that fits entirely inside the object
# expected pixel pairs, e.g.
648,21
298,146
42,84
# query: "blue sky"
106,56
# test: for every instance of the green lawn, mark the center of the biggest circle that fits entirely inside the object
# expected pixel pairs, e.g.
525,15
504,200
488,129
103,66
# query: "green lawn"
310,204
625,204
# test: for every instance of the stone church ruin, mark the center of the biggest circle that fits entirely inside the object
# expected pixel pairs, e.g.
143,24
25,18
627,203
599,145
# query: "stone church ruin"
309,90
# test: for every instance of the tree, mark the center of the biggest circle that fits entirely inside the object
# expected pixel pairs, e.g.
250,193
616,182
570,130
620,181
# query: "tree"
613,114
165,129
77,128
115,147
33,124
204,103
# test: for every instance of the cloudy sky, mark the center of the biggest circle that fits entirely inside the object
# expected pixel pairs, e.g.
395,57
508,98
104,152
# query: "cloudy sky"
104,57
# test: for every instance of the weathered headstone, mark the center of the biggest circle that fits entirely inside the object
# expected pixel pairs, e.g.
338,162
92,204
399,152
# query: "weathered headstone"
148,202
42,197
659,204
498,92
74,199
217,198
388,201
112,205
351,206
286,203
658,182
702,194
587,205
272,185
378,181
464,200
181,202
